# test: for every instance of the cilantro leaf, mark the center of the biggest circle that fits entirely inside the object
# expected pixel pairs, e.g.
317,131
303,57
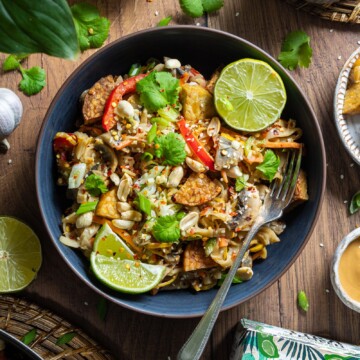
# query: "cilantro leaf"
171,147
151,134
86,207
212,5
95,185
66,338
29,337
12,62
157,90
296,50
164,21
236,280
92,29
355,203
240,182
193,8
166,229
303,301
270,165
33,81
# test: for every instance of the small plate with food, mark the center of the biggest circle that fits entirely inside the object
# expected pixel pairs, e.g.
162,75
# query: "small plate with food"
347,105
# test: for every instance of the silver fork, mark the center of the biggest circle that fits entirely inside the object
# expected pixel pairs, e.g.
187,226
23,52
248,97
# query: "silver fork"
277,199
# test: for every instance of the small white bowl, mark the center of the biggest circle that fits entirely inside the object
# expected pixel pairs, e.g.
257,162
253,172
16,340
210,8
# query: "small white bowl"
344,297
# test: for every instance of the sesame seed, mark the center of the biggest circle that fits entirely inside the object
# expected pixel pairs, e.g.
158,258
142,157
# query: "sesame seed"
9,161
321,245
237,14
341,176
358,42
113,104
352,165
345,201
339,57
331,30
198,24
156,13
86,303
327,291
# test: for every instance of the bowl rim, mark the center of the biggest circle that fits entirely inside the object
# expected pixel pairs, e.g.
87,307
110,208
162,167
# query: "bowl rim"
341,123
335,279
163,29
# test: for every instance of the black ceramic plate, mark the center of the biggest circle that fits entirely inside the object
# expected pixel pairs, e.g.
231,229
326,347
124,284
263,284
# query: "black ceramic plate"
206,50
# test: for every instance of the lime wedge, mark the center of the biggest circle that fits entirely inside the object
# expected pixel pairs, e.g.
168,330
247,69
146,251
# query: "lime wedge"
20,255
249,95
108,243
129,276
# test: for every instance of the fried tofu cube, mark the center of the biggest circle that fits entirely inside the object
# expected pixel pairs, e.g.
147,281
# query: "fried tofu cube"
195,258
197,102
107,205
301,193
352,100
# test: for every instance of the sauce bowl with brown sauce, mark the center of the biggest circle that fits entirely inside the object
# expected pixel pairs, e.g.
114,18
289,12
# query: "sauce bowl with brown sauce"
345,270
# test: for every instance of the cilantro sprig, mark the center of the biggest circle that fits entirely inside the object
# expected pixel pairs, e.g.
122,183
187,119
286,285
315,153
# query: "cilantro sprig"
355,203
296,51
158,89
164,21
91,28
196,8
171,148
270,165
95,185
166,229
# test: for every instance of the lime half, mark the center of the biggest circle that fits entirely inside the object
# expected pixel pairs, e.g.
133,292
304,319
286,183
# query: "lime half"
20,255
129,276
249,95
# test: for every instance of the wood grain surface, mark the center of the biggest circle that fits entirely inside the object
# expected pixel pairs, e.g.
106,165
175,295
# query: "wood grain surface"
131,335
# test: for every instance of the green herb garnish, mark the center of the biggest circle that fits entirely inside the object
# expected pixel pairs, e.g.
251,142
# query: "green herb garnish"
296,51
12,62
95,185
170,147
210,246
144,204
29,337
151,135
91,28
236,280
134,69
86,207
303,301
157,90
164,21
166,229
196,8
33,81
240,182
270,165
66,338
355,203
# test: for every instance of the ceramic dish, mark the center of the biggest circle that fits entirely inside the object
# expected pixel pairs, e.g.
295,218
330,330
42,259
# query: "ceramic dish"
348,126
206,50
335,280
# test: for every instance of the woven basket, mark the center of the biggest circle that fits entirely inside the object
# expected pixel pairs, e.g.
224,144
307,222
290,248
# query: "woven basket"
18,317
341,11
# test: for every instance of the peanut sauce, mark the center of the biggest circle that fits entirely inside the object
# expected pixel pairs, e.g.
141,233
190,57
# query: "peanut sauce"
349,270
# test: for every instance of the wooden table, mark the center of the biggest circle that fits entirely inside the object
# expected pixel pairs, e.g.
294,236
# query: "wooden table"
131,335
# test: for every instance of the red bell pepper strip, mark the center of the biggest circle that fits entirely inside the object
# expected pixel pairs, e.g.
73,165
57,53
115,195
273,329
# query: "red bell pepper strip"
195,145
126,87
64,142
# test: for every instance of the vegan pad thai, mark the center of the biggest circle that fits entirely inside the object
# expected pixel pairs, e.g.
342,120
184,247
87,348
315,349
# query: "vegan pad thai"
162,188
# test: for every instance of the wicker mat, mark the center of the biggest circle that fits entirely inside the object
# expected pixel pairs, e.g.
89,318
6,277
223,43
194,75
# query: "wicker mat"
342,11
18,317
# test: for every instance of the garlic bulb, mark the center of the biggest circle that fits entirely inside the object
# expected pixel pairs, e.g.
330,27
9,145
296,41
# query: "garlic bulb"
11,110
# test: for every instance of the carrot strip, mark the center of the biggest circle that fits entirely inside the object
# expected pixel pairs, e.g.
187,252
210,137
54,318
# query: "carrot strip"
281,145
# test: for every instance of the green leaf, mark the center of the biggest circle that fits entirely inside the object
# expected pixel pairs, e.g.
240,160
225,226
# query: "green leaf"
164,21
92,29
95,185
170,147
296,51
212,5
29,337
270,165
240,182
86,207
166,229
235,280
355,203
33,81
135,69
210,246
158,89
101,308
193,8
28,26
303,301
66,338
151,134
12,62
144,204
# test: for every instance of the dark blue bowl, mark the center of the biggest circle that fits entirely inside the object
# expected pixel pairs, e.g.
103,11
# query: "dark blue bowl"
205,49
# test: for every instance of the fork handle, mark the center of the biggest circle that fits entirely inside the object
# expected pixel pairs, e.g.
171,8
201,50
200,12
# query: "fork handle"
195,345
